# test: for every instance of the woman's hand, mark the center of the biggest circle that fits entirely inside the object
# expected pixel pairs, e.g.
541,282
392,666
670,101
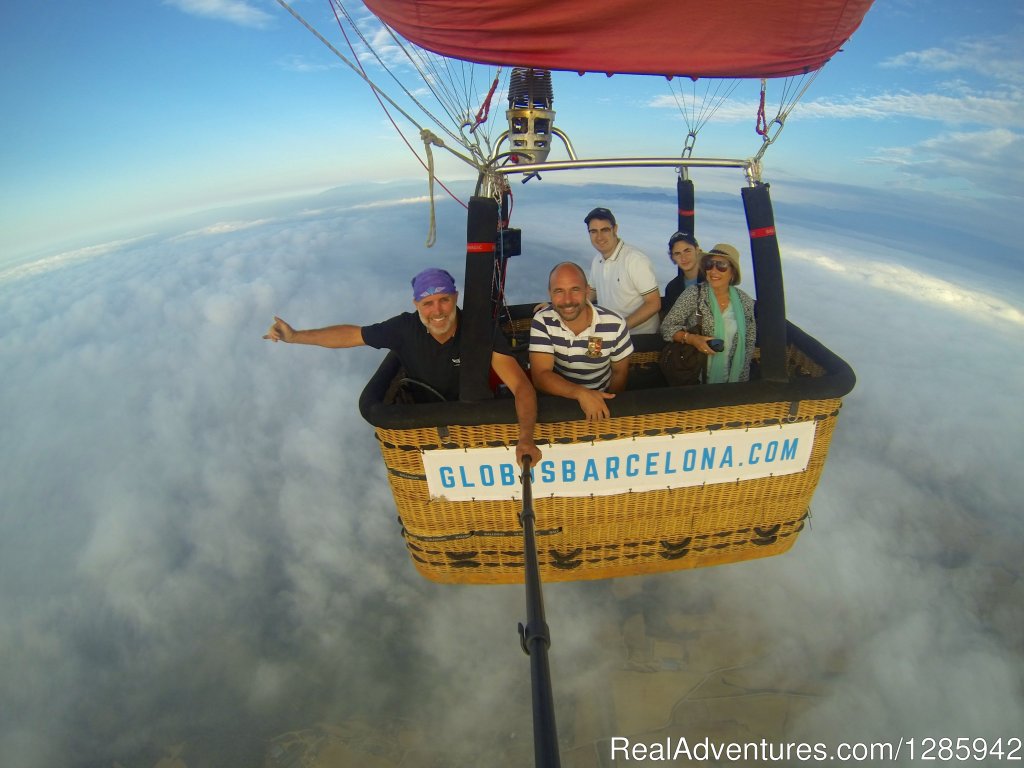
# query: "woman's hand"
695,340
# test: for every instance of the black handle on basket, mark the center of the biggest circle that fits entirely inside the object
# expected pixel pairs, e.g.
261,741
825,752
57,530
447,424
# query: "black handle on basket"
535,639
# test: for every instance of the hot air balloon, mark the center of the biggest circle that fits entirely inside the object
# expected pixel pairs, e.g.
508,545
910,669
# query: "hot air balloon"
677,477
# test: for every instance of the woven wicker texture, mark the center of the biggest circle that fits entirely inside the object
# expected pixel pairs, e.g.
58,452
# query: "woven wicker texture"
606,536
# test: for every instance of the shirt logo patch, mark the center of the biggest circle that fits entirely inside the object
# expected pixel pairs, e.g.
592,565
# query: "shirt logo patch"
593,346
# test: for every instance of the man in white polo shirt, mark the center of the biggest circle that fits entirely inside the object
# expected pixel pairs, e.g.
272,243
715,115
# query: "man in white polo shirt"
621,276
577,349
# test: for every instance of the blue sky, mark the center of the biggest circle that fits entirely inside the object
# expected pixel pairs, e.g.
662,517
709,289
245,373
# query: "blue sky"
123,113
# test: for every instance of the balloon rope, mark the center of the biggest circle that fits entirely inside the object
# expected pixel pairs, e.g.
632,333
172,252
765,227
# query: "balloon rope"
485,109
429,168
762,125
428,139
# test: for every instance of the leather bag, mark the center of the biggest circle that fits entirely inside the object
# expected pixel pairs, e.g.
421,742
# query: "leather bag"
683,364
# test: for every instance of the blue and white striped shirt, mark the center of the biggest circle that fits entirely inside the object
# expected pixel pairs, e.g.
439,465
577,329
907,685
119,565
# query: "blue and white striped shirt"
585,358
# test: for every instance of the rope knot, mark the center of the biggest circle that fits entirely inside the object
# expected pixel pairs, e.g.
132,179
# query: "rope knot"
429,138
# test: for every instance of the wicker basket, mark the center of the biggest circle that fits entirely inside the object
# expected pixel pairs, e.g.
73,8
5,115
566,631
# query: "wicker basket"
595,537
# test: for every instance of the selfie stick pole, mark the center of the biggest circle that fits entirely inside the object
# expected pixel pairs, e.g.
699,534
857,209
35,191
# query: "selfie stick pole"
535,640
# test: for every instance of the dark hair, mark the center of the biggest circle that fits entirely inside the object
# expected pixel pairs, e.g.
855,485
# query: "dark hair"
600,213
682,237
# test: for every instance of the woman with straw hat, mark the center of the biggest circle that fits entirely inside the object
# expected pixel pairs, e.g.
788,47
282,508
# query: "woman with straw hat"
726,313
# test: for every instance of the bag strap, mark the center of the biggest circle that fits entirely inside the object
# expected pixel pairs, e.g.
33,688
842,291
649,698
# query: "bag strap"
699,320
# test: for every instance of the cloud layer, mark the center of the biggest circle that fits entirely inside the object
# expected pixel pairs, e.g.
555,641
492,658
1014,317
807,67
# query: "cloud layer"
198,550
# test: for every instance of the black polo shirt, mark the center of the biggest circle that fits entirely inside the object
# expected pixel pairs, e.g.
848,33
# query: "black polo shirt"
422,357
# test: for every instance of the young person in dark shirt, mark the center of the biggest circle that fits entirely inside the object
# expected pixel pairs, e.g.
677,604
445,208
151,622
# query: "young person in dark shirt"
427,342
685,254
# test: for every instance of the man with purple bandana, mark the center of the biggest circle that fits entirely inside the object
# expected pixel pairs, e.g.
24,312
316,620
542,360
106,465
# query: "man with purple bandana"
427,343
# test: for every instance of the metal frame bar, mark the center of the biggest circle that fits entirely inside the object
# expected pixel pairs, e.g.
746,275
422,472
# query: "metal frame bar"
749,168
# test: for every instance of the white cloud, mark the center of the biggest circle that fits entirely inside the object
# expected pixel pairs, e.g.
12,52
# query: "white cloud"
196,527
65,258
417,200
239,12
994,57
963,108
220,228
911,283
978,158
298,63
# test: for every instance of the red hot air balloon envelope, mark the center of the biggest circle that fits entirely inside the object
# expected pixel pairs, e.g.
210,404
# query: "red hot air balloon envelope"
729,38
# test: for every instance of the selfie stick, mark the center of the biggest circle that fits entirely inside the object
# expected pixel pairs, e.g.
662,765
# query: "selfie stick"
535,640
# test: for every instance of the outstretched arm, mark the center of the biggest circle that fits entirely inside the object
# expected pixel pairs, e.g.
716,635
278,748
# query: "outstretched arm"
334,336
519,385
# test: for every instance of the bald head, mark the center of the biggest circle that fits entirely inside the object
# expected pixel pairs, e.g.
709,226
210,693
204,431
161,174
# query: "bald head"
567,288
566,269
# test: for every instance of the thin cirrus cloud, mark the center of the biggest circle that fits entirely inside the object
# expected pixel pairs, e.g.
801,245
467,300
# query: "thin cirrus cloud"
986,92
978,158
993,57
993,108
990,109
234,11
303,64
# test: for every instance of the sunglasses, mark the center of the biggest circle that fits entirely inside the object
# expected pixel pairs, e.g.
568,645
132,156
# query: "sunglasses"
721,266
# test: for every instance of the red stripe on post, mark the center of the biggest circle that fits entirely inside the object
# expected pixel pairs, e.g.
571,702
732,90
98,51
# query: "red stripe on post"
479,247
762,232
685,213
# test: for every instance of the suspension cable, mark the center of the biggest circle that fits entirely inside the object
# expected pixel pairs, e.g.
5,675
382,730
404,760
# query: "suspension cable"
439,74
786,105
453,84
716,93
380,95
357,69
335,6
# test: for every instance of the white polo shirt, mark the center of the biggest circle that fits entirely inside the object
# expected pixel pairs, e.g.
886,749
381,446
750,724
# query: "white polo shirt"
622,280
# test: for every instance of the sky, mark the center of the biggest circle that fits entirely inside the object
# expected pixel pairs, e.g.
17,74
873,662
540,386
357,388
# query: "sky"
199,558
124,114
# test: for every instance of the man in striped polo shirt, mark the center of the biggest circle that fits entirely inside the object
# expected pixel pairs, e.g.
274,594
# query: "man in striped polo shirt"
578,349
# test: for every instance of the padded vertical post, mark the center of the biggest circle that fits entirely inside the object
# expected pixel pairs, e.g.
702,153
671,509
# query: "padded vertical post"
477,304
685,198
771,299
685,202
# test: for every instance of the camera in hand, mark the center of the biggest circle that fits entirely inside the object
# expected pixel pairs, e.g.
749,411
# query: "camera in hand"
716,344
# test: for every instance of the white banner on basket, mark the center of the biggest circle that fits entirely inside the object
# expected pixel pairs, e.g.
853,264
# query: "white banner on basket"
619,466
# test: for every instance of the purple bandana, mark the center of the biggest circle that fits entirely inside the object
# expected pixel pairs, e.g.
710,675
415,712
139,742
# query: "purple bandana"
431,281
